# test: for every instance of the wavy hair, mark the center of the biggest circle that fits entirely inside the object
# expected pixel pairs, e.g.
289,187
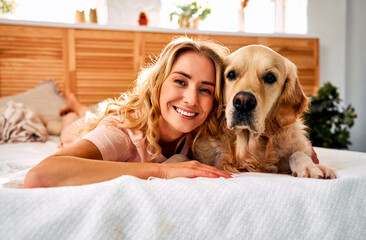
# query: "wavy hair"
139,108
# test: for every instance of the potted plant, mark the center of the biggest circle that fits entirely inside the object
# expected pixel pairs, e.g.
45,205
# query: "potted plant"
7,6
190,14
329,124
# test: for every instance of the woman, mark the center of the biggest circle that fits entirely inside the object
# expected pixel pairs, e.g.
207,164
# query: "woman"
174,101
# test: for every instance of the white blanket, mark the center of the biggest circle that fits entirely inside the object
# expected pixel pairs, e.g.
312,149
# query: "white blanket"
249,206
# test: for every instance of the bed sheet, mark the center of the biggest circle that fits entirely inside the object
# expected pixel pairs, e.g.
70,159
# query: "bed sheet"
248,206
16,159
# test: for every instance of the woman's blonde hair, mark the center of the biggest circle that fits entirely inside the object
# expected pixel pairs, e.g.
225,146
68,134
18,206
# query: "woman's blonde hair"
140,107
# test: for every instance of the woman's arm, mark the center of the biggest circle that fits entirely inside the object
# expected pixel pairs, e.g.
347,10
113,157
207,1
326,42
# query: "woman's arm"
80,164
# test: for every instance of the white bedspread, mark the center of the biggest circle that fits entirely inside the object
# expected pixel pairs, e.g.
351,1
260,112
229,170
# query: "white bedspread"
249,206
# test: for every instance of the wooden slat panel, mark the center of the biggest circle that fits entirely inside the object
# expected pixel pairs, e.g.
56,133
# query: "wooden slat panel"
105,65
98,64
153,44
28,55
31,31
235,42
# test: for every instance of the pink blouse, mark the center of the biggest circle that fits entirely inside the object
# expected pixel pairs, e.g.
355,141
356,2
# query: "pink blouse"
123,144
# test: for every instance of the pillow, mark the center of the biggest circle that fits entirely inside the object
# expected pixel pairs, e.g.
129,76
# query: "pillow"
46,98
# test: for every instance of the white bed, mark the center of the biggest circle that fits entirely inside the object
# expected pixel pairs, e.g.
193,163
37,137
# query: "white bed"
249,206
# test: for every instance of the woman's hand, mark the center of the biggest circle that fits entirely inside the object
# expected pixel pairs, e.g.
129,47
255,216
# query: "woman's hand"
190,169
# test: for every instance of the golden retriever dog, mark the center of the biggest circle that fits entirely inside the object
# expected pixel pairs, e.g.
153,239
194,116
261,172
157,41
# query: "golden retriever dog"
264,132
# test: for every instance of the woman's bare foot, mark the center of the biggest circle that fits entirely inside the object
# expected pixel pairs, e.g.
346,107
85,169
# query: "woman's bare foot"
72,105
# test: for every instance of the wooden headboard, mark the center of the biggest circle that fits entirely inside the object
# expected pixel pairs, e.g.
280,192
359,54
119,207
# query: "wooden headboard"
96,64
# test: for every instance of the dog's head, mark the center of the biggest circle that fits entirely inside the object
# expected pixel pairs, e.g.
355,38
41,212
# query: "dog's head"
261,90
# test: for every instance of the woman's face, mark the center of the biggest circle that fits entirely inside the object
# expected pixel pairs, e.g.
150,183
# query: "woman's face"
187,95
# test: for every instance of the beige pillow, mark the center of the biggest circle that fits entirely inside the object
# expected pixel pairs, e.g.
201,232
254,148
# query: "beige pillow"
45,98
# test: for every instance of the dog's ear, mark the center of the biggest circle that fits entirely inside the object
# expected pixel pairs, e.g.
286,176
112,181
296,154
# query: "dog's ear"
292,102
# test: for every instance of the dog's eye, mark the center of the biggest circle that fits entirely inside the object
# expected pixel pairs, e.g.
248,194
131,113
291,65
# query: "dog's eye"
270,78
231,75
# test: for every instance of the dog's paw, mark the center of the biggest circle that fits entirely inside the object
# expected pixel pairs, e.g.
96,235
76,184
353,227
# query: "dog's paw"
328,173
315,171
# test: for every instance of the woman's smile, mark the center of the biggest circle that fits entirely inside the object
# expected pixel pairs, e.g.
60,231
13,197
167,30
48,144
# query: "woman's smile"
185,113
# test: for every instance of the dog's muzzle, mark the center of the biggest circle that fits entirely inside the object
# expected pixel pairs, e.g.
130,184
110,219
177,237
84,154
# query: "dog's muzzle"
244,104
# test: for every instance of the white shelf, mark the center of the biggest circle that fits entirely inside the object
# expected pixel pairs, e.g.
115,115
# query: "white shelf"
144,29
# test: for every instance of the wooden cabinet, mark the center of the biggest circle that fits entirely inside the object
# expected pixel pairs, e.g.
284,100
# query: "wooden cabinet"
97,64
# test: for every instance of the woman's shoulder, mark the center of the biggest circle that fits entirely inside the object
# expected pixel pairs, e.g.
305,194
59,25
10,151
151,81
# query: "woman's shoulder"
110,119
118,124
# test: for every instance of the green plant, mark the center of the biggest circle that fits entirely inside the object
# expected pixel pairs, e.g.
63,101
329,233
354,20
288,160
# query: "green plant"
328,123
7,6
189,14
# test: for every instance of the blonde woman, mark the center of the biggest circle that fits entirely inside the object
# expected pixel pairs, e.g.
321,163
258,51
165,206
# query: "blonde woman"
175,102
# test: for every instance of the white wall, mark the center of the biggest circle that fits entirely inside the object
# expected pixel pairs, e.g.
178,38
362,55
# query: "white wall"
126,12
340,26
356,69
327,20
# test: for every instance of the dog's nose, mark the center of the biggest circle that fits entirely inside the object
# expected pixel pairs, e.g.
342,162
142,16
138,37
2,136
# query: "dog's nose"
244,101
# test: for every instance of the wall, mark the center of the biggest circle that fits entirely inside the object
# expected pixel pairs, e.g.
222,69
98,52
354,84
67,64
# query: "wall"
118,15
340,26
356,69
327,20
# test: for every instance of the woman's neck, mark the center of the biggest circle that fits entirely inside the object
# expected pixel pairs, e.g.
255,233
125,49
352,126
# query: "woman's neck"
167,134
169,139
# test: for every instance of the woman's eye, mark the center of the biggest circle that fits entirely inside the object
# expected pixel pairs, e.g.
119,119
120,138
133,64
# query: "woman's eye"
180,82
205,90
231,75
270,78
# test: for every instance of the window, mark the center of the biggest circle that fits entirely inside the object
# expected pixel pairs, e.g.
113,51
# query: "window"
43,10
261,16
